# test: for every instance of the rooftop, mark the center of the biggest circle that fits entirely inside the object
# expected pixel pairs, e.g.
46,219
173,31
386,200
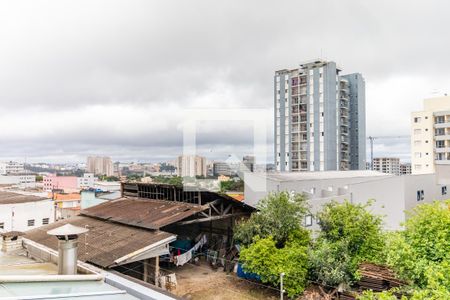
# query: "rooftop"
295,176
14,198
144,213
105,242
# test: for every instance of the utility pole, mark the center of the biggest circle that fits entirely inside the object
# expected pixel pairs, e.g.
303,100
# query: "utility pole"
281,286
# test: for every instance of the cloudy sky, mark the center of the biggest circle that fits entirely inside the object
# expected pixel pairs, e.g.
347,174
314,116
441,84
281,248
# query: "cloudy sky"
116,77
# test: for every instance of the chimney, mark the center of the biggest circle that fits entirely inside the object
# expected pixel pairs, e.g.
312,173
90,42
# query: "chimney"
11,241
67,247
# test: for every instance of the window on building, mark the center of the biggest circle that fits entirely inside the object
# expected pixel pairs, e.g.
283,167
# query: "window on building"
417,131
45,221
2,225
31,222
416,119
308,220
439,120
420,195
444,190
440,144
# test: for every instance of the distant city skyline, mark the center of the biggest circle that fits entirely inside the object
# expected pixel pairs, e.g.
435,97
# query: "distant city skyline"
71,88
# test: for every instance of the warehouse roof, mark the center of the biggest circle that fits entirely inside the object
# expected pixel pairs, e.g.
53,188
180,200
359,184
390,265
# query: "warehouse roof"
145,213
106,242
14,198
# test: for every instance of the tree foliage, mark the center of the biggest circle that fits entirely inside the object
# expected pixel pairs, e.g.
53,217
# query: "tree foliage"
349,235
265,259
421,253
232,186
279,215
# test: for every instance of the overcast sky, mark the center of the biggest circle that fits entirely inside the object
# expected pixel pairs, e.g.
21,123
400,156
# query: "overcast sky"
114,77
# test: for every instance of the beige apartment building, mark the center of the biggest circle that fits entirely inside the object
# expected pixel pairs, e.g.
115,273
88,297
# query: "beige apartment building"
100,165
430,137
191,166
388,165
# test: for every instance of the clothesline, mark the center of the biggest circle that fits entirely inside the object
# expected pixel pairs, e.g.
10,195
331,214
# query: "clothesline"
182,259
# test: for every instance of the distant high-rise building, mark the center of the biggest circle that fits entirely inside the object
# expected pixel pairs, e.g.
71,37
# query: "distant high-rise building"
430,136
100,165
405,169
221,168
388,165
319,119
191,166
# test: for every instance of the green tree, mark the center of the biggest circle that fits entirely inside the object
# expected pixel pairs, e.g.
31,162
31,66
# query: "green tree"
349,235
279,215
232,186
265,259
421,253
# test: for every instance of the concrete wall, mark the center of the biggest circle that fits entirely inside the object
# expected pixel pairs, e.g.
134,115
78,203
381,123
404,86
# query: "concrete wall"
393,195
15,216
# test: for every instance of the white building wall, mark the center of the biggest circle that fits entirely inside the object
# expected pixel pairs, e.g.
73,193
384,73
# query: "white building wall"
15,216
393,195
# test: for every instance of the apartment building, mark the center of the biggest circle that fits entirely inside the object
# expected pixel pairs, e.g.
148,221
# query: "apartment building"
100,165
430,136
191,166
221,168
405,169
388,165
11,167
319,118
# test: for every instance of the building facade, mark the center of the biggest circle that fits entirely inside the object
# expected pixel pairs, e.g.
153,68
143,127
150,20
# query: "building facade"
392,195
22,181
430,136
20,212
191,166
319,119
405,169
11,167
100,165
388,165
221,168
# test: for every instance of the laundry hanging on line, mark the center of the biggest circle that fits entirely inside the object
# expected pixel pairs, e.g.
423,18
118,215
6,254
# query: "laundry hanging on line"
187,256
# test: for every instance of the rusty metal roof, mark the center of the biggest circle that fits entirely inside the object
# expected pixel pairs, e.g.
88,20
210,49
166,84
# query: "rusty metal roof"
104,243
14,198
145,213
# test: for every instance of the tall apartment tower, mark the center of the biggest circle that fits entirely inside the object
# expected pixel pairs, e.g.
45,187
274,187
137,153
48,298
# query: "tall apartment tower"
99,165
430,137
191,166
320,122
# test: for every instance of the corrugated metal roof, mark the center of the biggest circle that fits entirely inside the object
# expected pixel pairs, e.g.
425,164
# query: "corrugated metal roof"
14,198
145,213
104,243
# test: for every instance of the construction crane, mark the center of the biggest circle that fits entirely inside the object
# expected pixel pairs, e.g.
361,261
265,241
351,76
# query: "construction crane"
372,138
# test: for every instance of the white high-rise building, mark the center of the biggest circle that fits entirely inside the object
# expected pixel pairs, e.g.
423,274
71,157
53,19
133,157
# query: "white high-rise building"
320,121
191,166
430,136
100,165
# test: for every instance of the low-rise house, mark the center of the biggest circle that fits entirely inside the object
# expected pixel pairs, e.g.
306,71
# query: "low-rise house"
133,232
20,212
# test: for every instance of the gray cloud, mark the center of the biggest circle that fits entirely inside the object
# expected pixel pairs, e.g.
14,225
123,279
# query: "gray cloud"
91,66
